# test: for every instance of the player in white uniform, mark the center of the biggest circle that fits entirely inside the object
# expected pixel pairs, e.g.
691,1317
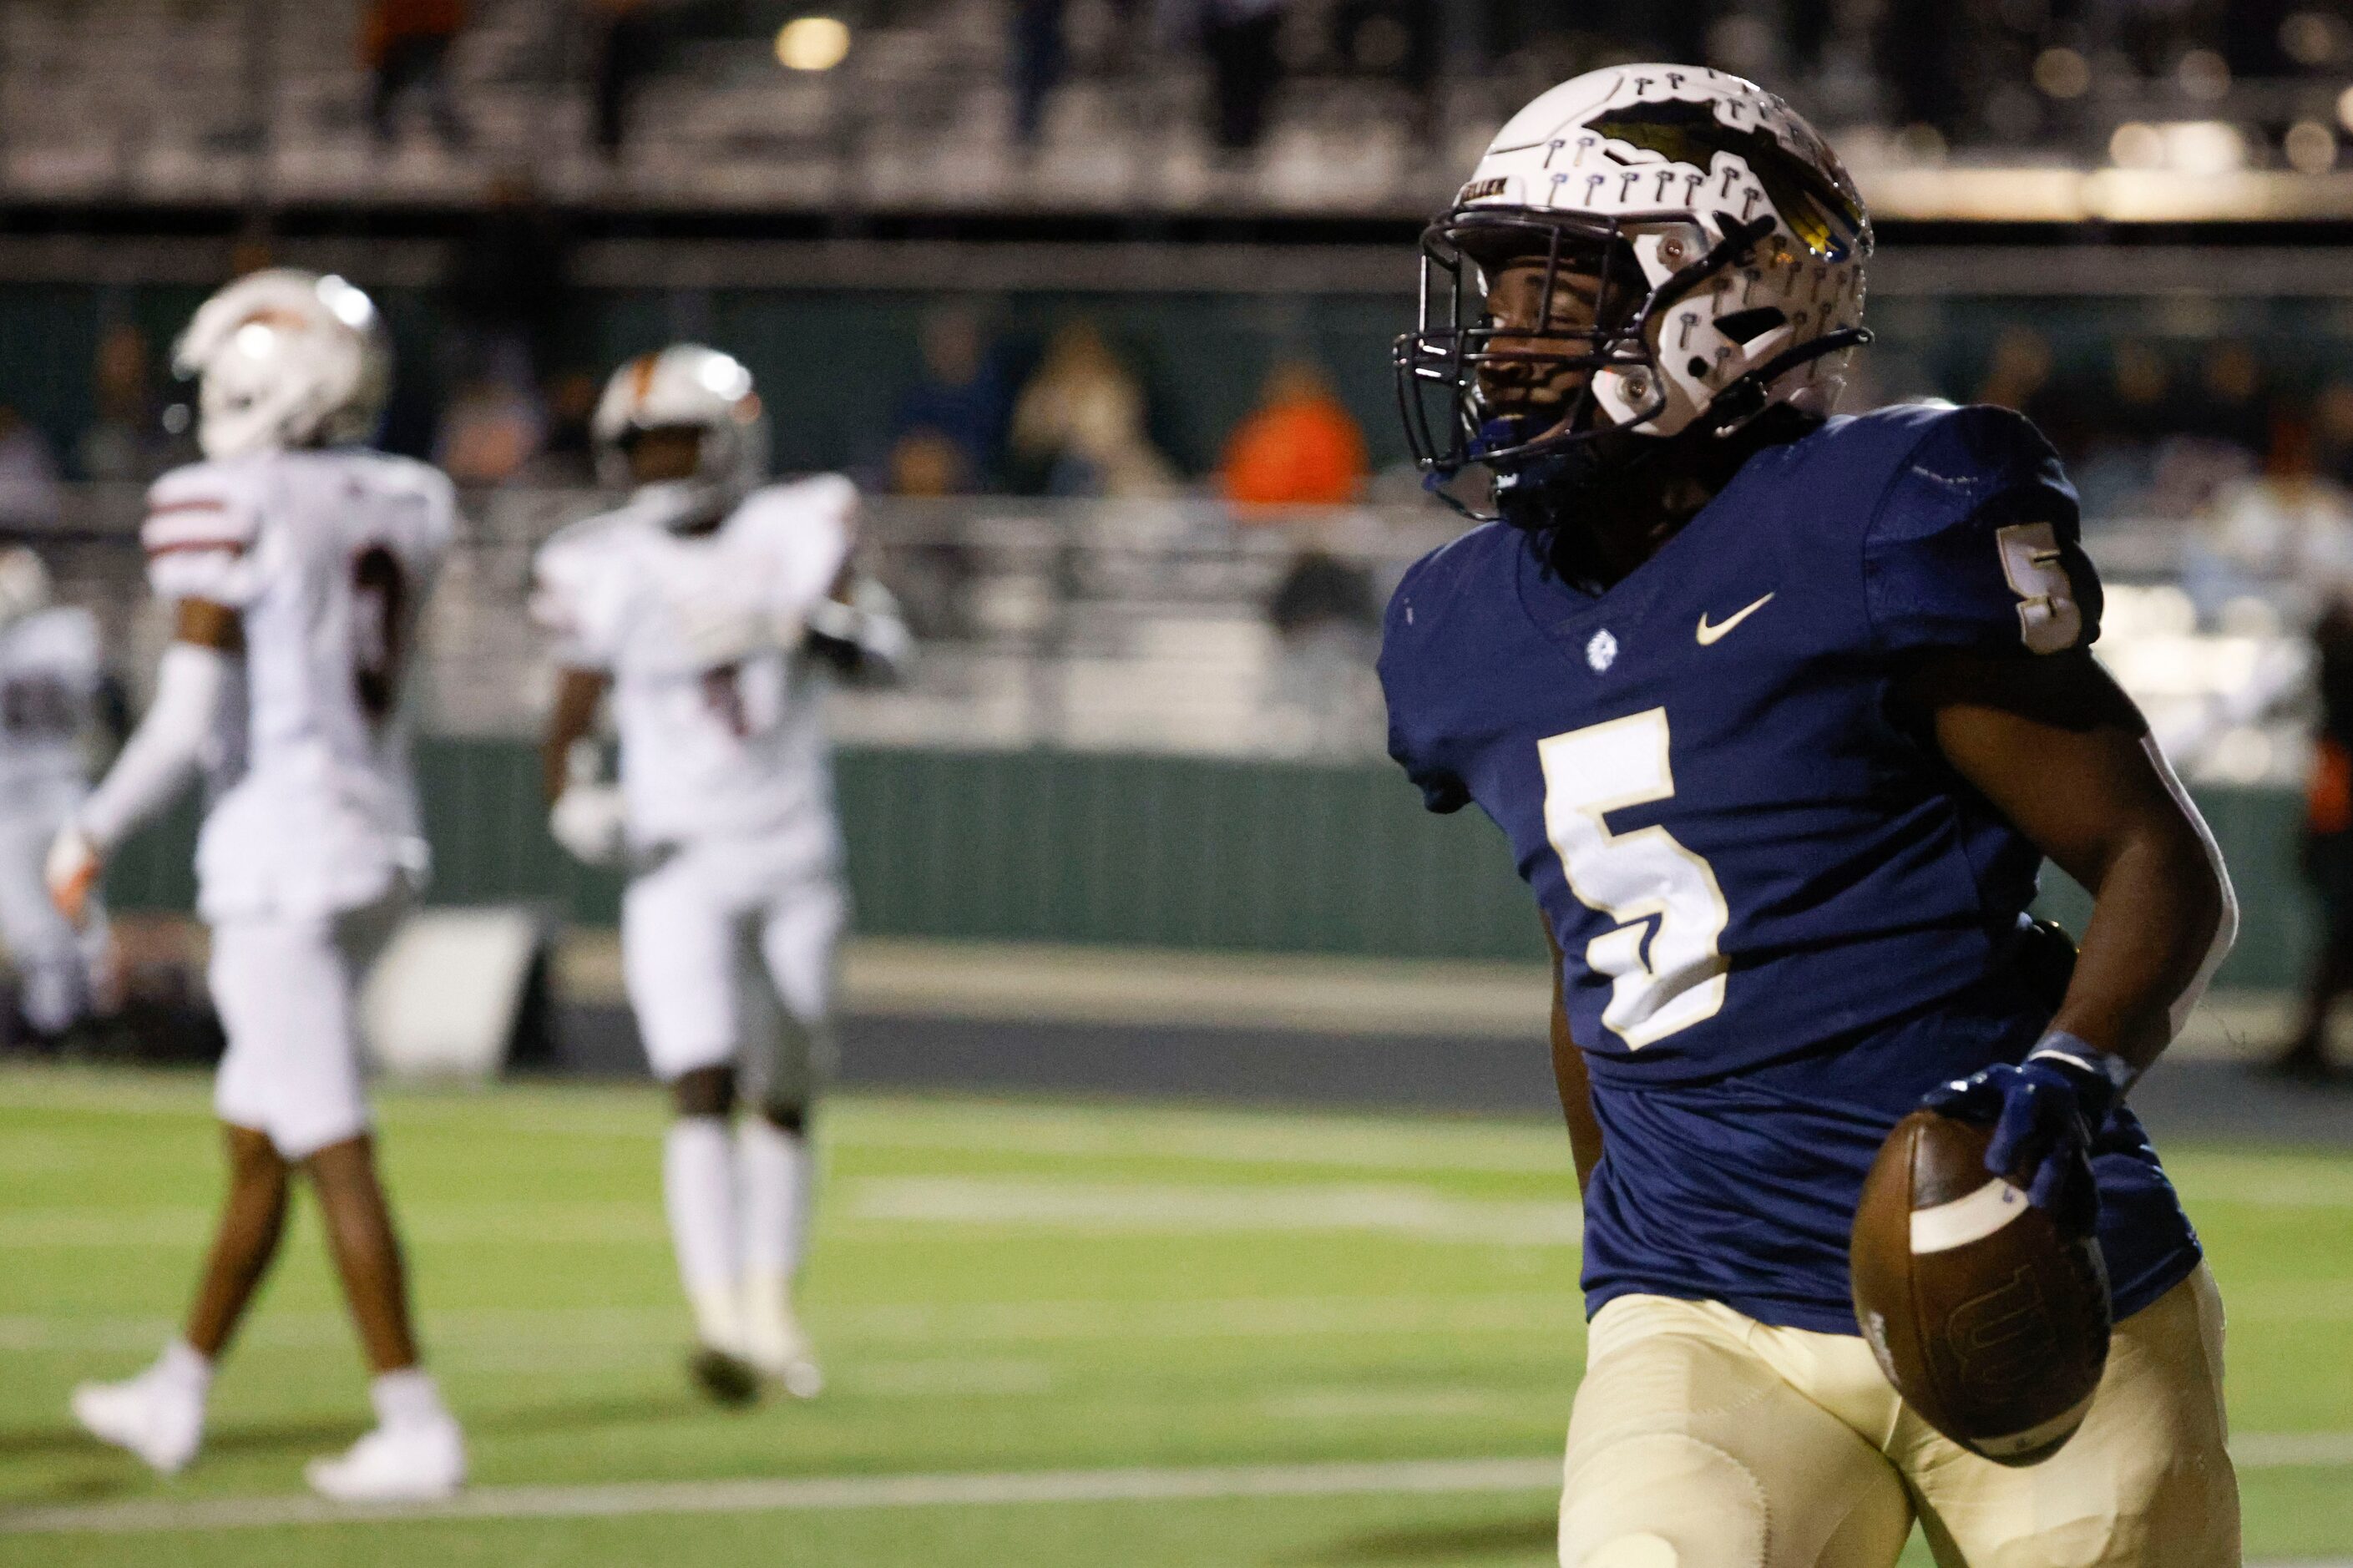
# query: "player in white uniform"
51,676
297,565
714,612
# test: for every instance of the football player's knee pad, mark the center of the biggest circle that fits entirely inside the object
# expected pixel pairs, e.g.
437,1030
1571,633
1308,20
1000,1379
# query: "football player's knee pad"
704,1092
786,1118
1662,1499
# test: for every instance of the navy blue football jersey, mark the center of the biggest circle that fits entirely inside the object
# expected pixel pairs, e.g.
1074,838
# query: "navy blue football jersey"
1784,917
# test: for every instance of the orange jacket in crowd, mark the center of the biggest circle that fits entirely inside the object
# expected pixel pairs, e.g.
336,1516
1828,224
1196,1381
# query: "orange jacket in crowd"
1296,450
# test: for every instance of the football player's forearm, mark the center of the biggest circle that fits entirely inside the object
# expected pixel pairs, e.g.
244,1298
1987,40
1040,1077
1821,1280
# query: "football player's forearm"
162,753
2061,751
578,693
2161,918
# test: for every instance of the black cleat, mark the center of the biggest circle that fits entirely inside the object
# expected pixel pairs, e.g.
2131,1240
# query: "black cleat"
724,1379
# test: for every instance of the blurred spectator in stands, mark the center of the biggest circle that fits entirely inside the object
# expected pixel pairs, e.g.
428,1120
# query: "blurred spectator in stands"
948,428
2332,431
406,46
2125,415
493,427
1324,699
2228,403
1240,38
567,457
1403,41
1922,49
28,475
506,294
1300,447
1039,54
254,246
1079,424
2326,847
2020,377
2137,407
623,41
125,442
2285,535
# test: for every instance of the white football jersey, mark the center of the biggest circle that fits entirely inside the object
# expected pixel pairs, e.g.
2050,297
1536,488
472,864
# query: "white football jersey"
49,673
328,557
707,752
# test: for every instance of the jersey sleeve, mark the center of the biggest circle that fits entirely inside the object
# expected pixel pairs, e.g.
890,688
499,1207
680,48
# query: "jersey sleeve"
578,598
203,536
1413,688
807,530
1977,544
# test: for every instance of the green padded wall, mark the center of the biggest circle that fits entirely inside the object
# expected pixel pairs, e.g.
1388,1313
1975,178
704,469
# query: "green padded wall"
1147,851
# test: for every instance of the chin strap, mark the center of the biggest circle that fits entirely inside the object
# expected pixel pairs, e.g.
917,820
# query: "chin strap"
1744,400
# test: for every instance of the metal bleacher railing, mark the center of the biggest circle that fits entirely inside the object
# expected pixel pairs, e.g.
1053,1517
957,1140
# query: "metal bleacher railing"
1184,626
1152,626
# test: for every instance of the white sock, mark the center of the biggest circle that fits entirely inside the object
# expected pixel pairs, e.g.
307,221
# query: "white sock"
778,1177
776,1174
698,1189
409,1397
183,1366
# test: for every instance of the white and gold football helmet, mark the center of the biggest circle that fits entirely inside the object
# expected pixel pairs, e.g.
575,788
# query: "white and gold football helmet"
1721,241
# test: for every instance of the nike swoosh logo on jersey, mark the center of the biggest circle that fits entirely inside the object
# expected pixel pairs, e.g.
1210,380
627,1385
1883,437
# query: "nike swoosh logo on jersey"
1708,634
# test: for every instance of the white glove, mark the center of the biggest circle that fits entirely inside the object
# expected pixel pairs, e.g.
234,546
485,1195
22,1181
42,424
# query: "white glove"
74,864
587,821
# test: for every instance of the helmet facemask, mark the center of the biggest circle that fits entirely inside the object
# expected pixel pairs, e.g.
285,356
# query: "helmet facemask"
1540,334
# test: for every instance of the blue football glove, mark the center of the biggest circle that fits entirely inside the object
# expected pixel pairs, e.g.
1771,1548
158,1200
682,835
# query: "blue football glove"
2044,1113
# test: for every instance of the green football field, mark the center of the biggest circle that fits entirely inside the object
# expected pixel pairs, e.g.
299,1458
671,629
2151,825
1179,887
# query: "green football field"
1056,1334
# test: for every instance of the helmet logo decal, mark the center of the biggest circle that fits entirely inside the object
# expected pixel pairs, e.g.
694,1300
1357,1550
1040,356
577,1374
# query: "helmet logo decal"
1827,218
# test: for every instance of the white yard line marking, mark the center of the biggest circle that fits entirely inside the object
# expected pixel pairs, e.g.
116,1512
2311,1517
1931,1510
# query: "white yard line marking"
1204,1484
1421,1212
1425,1213
1211,1483
1244,1317
2290,1450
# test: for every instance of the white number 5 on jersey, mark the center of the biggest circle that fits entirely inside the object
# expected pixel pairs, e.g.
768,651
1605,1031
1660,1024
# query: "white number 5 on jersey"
1666,974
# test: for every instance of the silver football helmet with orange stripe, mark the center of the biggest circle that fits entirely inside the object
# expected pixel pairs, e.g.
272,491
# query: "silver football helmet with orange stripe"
686,386
285,358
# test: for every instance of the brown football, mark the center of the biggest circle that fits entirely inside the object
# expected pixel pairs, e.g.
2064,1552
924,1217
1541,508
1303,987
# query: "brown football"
1989,1323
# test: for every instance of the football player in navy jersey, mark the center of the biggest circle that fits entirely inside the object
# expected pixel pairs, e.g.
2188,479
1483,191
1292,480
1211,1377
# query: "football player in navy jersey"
1782,714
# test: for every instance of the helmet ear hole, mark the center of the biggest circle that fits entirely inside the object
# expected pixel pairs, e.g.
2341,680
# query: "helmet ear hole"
1744,327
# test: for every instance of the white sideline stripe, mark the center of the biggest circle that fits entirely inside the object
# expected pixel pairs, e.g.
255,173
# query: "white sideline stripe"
1965,1220
1206,1484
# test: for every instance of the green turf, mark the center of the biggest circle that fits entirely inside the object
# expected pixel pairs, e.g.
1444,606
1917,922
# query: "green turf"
995,1287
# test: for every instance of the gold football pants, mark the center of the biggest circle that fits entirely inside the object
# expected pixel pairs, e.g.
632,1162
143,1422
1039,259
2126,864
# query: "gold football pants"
1703,1438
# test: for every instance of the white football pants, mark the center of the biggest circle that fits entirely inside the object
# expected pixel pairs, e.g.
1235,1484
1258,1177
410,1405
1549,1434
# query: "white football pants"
728,951
61,971
288,992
